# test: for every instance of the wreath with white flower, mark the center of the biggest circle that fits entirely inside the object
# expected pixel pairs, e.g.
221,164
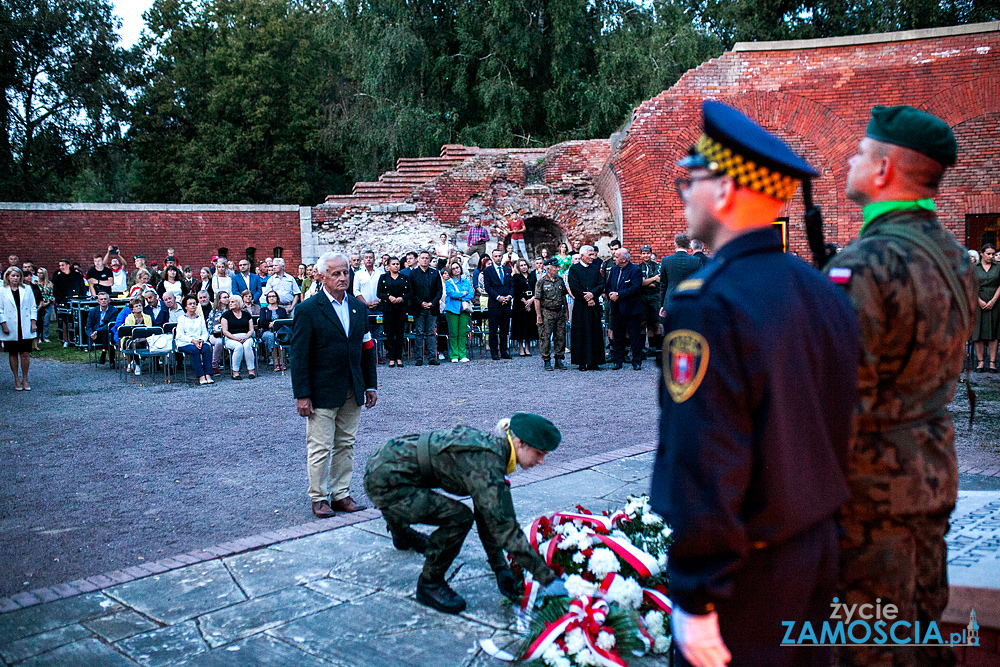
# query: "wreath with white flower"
615,570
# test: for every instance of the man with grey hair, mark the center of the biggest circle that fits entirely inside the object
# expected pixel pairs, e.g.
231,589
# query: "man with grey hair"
333,374
154,308
587,333
174,311
698,250
623,287
286,286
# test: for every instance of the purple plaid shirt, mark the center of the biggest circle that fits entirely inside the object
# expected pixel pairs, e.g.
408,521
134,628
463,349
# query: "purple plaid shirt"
477,235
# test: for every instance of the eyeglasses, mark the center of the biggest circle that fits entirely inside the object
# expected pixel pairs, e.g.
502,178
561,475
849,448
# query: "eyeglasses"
683,185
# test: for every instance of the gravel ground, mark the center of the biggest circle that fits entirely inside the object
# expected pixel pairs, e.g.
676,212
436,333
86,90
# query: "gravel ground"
99,474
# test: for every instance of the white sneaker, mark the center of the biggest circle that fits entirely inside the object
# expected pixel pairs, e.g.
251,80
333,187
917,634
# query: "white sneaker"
464,359
440,356
454,361
65,344
138,369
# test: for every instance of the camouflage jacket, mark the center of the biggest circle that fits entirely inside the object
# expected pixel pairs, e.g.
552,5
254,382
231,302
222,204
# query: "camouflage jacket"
902,457
467,462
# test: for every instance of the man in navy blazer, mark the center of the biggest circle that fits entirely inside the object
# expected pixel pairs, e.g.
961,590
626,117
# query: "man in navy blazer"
99,321
155,308
248,280
499,285
333,375
623,286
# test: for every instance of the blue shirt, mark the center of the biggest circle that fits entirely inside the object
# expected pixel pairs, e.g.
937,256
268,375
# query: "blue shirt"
458,291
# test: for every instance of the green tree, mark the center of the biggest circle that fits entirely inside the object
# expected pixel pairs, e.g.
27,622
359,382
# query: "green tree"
64,97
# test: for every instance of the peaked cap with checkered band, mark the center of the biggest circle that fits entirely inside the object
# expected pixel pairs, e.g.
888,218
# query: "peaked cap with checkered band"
756,159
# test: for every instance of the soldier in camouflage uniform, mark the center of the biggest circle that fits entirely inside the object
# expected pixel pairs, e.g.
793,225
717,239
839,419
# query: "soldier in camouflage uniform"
915,295
400,480
551,309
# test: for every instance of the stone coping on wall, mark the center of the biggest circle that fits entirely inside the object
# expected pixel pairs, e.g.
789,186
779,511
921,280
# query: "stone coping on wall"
876,38
170,208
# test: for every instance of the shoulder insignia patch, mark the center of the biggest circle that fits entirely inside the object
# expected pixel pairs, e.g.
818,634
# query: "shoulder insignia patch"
685,361
690,285
840,275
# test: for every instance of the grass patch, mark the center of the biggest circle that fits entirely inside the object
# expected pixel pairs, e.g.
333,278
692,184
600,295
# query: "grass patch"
55,351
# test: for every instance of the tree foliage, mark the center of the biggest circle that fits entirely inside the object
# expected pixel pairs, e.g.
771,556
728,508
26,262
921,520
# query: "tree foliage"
285,101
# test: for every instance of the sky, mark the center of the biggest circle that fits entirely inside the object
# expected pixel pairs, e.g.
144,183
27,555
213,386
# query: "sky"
130,12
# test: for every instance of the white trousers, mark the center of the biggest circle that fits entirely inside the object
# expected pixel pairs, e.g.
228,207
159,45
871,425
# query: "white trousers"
241,351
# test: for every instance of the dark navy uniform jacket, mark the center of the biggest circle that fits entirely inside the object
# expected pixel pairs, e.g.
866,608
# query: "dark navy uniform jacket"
758,390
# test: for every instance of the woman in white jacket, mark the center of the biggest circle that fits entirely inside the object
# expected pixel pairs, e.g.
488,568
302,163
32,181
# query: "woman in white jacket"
191,337
18,323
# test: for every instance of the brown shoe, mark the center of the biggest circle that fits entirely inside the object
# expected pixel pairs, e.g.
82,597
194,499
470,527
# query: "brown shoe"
346,504
323,510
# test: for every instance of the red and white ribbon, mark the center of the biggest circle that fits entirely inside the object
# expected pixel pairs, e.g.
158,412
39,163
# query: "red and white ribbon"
587,614
531,588
596,520
651,595
643,563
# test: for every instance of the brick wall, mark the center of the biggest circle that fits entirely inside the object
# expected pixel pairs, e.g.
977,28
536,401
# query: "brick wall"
816,95
495,186
46,233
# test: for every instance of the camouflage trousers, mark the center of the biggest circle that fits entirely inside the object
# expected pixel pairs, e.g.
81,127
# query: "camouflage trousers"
403,505
553,327
903,561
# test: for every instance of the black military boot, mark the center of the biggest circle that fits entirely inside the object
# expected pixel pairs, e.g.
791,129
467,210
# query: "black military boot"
560,366
548,365
407,538
438,595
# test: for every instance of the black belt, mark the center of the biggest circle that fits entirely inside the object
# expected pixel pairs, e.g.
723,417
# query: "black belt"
424,460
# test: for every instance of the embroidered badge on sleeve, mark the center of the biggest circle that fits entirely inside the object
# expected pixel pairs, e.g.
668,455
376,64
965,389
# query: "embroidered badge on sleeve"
685,361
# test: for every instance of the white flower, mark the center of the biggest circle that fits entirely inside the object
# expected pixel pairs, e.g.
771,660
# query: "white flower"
552,655
620,534
662,561
602,562
651,519
636,505
605,640
662,644
626,593
666,532
576,641
563,662
586,657
579,558
654,622
578,587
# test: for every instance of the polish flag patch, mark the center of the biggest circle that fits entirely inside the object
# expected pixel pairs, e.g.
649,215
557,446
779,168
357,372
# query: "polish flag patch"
367,343
840,275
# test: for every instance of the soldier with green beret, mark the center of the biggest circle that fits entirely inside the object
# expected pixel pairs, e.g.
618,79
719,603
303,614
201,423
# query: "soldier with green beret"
400,479
914,288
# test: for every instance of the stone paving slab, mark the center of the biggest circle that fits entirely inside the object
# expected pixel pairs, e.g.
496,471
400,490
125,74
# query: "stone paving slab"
180,594
259,614
42,643
34,620
85,653
121,625
268,570
164,645
339,590
257,650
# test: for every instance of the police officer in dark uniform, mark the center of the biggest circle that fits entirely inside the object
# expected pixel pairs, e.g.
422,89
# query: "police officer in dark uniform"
400,479
759,381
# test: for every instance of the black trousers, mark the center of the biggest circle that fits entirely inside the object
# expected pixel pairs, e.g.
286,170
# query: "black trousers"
105,342
393,322
792,581
499,329
632,327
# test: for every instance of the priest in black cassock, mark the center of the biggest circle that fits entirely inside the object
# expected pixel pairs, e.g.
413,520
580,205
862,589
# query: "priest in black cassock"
587,334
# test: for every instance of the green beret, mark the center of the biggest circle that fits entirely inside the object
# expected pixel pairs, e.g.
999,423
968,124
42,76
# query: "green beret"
907,127
535,431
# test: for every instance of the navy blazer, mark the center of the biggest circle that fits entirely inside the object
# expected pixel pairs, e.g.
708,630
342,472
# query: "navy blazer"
497,288
674,269
326,361
256,285
627,281
160,319
95,321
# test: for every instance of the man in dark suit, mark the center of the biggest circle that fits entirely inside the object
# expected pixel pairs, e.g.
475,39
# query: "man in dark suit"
248,280
155,308
333,375
675,268
425,292
499,286
99,320
624,289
